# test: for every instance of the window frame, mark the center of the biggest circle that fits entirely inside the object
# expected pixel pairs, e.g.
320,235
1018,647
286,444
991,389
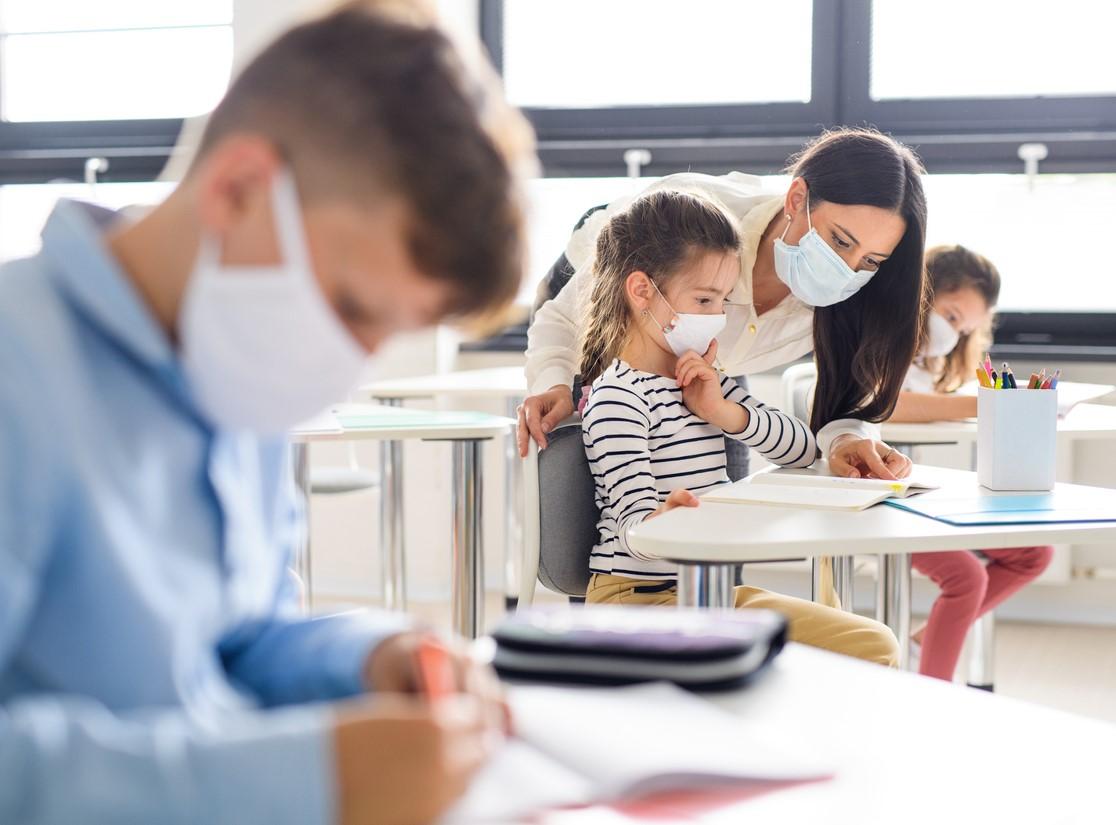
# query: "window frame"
685,121
954,135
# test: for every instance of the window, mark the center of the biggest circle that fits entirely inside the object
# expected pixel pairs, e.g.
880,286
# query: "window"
985,50
657,68
654,53
69,60
112,78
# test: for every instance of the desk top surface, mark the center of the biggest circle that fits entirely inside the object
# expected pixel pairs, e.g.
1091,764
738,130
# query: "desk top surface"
350,422
728,533
501,382
1084,422
908,749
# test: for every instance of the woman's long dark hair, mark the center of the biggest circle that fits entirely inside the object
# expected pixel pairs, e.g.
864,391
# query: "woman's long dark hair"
864,346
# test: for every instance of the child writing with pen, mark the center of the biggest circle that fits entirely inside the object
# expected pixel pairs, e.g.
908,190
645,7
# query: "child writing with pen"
656,418
965,288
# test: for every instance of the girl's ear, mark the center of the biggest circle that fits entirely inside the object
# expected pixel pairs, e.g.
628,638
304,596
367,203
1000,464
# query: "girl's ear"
639,290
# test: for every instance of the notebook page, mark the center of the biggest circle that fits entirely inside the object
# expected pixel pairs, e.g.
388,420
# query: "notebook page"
898,487
652,738
519,781
788,495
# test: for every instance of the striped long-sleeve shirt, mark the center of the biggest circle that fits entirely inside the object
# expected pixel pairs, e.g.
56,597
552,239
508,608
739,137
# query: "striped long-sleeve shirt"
643,443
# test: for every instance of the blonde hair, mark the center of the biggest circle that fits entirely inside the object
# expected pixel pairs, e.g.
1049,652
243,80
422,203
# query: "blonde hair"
658,234
951,268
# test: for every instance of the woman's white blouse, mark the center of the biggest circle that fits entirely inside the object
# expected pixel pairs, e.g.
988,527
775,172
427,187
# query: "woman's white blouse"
749,344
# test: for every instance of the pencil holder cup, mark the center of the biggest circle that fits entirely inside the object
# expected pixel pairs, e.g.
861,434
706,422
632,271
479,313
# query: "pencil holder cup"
1017,435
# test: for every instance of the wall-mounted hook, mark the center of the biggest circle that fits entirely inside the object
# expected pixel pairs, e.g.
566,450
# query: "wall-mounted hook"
94,167
635,160
1031,154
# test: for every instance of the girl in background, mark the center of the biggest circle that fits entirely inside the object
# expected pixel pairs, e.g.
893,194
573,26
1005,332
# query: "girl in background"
965,288
657,416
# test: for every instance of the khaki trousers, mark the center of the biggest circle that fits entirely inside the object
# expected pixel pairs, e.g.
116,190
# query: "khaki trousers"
812,624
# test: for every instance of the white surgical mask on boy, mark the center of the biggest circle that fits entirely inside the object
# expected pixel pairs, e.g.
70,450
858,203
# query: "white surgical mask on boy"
941,337
686,332
814,271
262,347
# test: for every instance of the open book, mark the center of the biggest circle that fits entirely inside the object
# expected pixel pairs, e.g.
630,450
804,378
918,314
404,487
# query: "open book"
579,746
794,488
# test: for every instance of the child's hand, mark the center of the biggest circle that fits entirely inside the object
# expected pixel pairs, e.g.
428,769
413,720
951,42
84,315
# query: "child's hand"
678,498
702,392
700,383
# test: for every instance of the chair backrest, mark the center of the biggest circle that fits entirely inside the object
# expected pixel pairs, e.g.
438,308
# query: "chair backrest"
561,514
798,383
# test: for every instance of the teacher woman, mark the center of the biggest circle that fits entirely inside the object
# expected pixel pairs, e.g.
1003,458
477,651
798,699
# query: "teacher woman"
834,266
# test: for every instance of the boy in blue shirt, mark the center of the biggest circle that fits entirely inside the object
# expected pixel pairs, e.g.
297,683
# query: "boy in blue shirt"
355,182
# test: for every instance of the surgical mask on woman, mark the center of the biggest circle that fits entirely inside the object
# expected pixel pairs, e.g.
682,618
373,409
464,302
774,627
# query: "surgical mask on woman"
690,332
814,271
941,337
262,347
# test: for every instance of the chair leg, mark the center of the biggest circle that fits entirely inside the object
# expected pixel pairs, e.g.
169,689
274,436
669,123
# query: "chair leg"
303,567
982,648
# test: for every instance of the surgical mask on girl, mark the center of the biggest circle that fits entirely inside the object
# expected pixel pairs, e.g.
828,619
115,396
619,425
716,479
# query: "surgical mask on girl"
941,337
689,332
814,271
262,347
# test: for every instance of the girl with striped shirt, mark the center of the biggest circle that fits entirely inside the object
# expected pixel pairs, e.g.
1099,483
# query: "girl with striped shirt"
658,412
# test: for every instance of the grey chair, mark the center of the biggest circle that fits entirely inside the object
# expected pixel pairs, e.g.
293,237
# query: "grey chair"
560,516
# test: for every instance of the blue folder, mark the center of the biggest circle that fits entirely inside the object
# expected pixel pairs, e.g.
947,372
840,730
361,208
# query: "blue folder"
1029,508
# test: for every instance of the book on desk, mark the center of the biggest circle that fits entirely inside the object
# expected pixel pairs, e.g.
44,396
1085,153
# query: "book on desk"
815,490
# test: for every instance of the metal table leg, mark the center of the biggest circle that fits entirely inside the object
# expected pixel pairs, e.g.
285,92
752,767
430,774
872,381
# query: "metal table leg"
981,659
893,599
468,539
706,585
300,459
392,546
513,503
842,570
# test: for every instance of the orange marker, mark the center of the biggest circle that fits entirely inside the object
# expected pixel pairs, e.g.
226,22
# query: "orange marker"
435,670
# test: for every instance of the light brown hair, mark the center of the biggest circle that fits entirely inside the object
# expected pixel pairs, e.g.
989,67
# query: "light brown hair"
659,234
951,268
373,99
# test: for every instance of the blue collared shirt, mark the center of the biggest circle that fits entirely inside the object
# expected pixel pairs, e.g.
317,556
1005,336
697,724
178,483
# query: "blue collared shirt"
153,667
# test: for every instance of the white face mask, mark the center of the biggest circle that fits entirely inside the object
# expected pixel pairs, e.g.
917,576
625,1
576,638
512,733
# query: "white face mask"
941,337
262,348
690,332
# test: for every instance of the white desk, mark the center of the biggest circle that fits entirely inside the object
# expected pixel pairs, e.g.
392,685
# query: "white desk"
710,541
466,430
909,750
505,384
1085,422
